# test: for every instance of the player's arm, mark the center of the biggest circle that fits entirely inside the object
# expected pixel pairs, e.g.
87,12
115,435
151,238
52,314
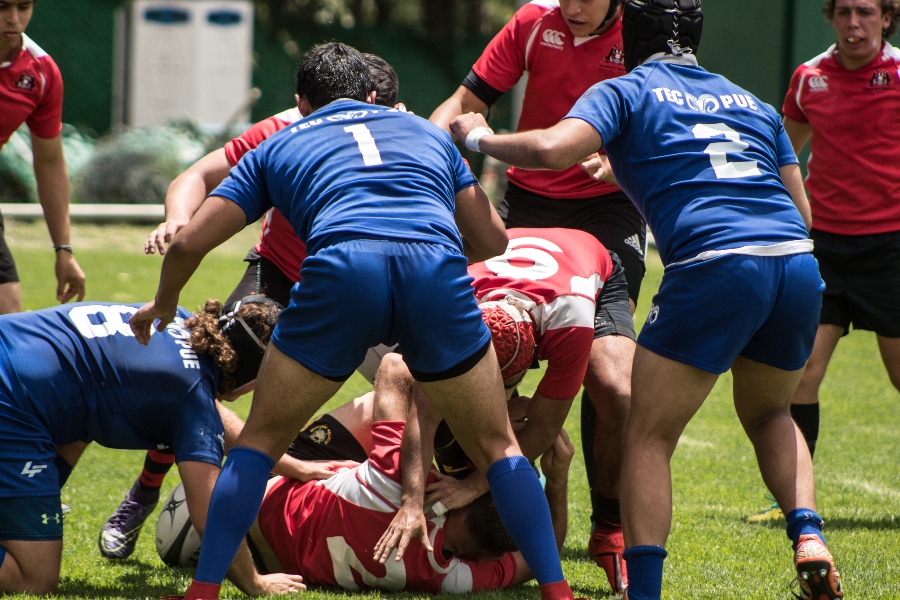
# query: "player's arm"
799,133
185,196
546,418
217,220
482,230
52,177
793,181
287,466
461,102
556,148
199,479
555,465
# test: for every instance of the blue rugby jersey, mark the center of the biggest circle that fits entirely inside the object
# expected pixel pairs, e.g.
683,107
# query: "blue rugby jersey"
352,169
698,156
79,371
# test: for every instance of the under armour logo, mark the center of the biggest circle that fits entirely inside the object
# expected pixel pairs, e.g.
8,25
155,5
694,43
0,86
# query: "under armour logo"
31,471
47,519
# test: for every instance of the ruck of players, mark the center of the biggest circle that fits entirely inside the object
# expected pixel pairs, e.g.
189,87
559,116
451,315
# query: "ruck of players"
381,253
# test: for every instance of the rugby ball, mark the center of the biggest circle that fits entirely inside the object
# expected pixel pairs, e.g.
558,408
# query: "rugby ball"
177,542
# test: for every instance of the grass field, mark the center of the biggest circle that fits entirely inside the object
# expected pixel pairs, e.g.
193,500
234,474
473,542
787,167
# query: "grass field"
713,553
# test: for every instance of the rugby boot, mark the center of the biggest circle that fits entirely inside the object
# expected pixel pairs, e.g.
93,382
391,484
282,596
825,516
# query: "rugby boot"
605,549
817,578
773,513
119,534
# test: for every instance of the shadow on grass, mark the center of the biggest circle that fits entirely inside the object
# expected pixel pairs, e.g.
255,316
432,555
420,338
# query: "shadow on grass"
850,523
135,582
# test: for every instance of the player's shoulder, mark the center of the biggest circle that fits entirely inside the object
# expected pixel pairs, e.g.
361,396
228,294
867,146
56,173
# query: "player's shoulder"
890,54
531,13
35,54
573,239
825,60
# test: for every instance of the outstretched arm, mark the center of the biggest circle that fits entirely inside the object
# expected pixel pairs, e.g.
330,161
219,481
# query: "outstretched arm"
216,221
556,148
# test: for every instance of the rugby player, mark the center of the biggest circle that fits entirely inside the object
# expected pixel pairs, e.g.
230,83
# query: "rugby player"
390,215
856,217
273,269
31,92
72,374
565,47
713,172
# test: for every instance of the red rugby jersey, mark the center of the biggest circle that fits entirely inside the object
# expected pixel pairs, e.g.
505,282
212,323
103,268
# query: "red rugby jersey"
326,531
277,240
560,69
562,271
31,92
854,166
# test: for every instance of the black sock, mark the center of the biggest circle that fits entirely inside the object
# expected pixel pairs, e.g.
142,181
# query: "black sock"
607,513
806,416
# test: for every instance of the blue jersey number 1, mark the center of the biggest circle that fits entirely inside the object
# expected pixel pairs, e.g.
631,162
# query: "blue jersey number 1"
366,144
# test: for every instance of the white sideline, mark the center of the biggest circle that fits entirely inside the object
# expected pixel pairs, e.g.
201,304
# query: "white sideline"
134,213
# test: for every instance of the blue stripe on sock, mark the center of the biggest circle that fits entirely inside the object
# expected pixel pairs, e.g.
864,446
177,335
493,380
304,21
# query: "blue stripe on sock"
803,521
645,570
235,502
523,509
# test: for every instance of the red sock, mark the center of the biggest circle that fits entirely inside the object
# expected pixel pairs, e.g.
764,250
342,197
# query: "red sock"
557,591
202,591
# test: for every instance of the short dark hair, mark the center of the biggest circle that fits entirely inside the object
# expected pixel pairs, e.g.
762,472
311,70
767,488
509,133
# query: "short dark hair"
331,71
486,528
887,6
384,80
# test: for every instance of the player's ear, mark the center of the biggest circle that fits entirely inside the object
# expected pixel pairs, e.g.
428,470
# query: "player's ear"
303,105
370,99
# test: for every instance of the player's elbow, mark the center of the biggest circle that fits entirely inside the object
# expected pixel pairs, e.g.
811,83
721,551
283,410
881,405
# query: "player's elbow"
549,154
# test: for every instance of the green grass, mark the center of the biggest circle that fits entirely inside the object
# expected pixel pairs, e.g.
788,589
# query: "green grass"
713,553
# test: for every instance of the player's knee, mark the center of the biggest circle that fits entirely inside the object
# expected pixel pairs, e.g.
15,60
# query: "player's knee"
36,579
611,397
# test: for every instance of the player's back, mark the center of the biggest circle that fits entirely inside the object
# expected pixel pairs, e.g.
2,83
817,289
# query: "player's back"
355,169
79,370
698,155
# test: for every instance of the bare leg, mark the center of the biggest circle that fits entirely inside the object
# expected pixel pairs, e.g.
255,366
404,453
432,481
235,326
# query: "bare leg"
827,337
890,354
762,397
665,395
10,298
71,453
30,566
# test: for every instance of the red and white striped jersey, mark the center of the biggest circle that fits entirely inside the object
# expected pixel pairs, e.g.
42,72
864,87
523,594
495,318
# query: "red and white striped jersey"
31,92
560,69
277,240
326,531
854,165
562,271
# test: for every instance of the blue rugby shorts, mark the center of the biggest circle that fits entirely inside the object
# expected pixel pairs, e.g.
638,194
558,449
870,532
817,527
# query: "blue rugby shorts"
765,308
359,293
27,454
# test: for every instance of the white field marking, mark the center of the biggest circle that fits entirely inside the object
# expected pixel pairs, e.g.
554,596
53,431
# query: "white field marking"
865,486
692,443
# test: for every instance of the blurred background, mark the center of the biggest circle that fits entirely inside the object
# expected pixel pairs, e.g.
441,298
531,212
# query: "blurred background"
152,85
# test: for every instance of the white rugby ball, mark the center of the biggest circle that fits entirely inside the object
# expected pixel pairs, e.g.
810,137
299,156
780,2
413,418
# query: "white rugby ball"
177,542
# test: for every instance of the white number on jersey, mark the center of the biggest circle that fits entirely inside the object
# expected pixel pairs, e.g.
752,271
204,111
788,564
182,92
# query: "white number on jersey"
365,141
718,151
345,561
111,317
544,266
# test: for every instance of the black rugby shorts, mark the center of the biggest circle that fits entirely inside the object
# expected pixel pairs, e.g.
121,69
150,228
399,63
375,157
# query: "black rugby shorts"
8,272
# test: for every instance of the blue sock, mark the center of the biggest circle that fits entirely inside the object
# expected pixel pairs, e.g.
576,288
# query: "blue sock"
235,502
645,570
803,521
526,516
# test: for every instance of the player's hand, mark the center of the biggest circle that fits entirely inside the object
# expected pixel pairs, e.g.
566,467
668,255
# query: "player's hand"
463,124
69,278
143,319
278,583
409,523
453,493
162,236
597,166
555,461
311,470
518,412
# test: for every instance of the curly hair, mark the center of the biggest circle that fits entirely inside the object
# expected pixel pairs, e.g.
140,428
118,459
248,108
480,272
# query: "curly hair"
206,337
891,7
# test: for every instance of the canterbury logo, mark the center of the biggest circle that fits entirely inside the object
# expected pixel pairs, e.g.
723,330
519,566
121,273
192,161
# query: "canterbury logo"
553,37
32,470
818,83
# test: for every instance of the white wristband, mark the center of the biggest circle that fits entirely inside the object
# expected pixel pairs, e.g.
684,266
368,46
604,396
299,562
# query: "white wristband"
475,136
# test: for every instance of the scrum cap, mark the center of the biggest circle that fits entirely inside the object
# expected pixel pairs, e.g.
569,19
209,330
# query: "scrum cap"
244,337
512,334
653,26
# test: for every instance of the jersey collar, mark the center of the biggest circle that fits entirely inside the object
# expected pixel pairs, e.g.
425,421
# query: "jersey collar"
687,60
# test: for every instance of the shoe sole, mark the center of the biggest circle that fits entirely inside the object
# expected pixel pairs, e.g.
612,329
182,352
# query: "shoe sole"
819,585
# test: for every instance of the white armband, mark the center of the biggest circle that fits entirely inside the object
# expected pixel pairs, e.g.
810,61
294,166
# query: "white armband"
475,136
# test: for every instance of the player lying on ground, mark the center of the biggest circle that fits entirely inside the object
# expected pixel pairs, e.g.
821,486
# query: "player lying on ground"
471,549
391,216
273,269
712,170
72,374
